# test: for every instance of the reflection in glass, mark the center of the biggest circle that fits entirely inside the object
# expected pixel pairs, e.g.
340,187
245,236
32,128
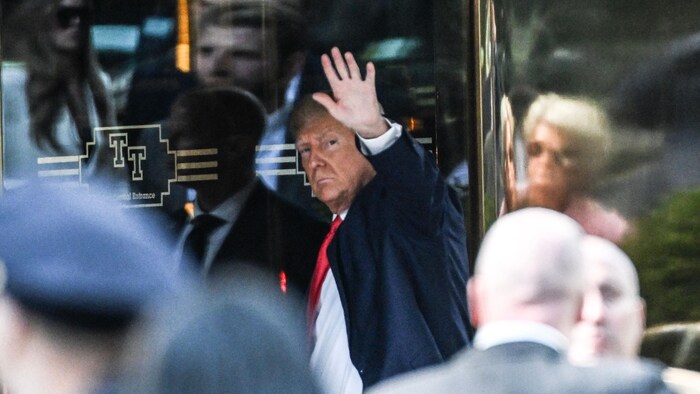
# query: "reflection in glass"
637,62
567,140
507,128
54,95
489,93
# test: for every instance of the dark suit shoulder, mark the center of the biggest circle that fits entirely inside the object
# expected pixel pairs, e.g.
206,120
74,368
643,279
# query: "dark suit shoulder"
288,237
288,213
513,368
625,376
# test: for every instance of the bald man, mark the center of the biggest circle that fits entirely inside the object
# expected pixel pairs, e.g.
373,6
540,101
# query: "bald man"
613,313
525,298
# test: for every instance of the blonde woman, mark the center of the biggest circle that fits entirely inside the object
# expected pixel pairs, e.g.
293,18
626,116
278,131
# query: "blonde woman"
567,142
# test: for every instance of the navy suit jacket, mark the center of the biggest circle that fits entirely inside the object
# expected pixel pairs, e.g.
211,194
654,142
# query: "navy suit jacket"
400,263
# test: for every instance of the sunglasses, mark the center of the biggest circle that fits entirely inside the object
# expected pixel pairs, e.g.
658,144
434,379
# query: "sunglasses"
66,15
562,159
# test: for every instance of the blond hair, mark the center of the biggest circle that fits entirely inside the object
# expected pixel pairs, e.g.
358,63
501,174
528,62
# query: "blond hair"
583,123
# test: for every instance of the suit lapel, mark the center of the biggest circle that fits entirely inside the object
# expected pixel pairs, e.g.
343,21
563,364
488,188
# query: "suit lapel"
335,259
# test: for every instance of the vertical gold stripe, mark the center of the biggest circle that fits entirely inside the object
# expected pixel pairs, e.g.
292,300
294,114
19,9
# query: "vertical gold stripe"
182,50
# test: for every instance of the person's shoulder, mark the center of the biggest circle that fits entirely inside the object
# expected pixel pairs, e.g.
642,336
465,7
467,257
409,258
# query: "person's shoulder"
451,376
9,66
625,376
288,212
14,75
597,219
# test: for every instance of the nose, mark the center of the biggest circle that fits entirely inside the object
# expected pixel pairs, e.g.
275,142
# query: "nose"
213,64
593,308
314,160
220,63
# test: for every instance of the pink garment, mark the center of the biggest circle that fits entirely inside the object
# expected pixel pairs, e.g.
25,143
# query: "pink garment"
598,220
591,215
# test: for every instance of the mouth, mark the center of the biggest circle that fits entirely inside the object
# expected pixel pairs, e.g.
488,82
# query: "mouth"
322,181
598,341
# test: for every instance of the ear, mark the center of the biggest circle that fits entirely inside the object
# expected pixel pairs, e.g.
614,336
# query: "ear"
473,301
642,312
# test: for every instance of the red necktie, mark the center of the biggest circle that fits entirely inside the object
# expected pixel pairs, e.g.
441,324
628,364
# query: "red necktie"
322,266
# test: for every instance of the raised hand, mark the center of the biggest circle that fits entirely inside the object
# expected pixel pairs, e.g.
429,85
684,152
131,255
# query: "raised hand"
355,103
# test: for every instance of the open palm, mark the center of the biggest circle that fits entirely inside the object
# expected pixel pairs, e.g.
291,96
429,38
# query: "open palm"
355,103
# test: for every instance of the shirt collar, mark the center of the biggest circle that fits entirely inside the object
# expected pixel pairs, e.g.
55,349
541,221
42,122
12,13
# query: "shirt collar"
228,210
508,331
342,215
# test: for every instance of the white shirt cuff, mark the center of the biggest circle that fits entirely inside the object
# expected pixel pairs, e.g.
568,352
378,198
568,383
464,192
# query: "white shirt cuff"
374,146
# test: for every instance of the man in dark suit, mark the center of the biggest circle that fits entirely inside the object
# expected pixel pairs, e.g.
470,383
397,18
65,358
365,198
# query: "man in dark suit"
393,299
236,218
526,296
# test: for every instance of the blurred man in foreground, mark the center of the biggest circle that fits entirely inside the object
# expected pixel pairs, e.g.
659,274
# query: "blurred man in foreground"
525,298
238,334
76,273
612,317
613,314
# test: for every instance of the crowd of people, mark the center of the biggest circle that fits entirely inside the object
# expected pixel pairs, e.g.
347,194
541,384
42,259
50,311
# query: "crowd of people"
246,291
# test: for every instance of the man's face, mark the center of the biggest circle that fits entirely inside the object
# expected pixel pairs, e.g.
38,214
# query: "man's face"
234,161
234,56
336,169
612,318
551,168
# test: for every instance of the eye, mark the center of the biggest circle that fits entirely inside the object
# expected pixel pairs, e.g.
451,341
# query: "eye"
303,151
534,149
246,55
610,293
566,158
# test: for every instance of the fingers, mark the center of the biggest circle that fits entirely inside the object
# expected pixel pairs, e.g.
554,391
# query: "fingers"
329,70
325,100
353,68
370,73
341,67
